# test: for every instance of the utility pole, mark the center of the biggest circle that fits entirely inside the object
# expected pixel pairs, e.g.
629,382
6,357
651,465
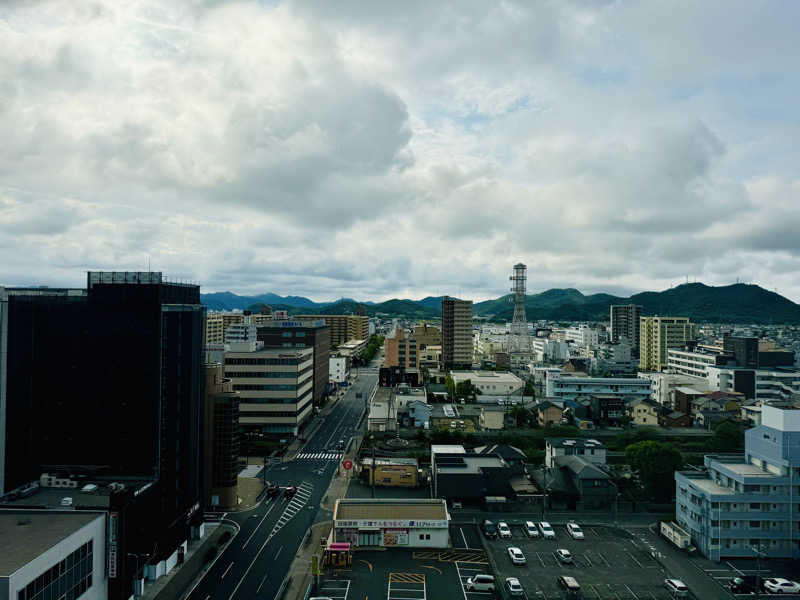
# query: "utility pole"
372,469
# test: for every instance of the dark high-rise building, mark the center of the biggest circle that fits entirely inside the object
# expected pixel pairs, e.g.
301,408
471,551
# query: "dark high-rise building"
456,333
625,323
220,440
311,333
107,381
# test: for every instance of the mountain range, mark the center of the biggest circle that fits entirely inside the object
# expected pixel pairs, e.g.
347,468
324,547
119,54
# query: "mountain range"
737,303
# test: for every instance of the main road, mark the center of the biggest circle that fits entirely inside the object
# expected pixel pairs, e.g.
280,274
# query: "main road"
255,563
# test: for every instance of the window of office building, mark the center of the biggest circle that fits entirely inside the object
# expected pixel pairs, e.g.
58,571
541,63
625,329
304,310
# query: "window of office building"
68,579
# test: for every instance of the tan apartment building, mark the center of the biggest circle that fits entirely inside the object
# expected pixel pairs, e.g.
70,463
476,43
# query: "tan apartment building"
659,334
218,322
401,351
456,333
343,327
427,335
275,386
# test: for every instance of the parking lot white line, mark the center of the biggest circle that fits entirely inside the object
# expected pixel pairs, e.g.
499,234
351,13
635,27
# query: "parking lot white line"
634,559
558,562
589,560
226,571
591,585
603,558
632,594
734,568
540,559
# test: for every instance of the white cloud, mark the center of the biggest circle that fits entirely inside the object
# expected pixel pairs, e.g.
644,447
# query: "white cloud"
400,149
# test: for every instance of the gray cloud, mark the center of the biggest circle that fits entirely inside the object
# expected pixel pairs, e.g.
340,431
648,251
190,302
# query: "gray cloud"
383,149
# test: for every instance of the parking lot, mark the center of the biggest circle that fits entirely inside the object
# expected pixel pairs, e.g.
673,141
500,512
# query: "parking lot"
722,572
407,574
608,564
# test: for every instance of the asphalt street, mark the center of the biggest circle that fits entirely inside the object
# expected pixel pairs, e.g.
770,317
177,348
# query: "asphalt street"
260,556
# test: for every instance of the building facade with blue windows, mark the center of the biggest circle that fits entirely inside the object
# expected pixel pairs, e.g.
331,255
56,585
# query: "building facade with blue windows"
744,503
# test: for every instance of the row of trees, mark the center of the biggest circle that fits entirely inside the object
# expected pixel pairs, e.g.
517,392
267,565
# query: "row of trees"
374,344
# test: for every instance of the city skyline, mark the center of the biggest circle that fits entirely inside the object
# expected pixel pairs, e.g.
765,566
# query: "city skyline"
376,151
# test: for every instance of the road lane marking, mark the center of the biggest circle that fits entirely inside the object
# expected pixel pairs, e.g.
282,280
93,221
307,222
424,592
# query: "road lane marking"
434,568
466,545
278,553
366,562
263,579
226,571
274,504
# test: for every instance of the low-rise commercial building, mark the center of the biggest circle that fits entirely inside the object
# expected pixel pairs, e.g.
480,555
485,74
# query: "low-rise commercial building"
748,501
413,523
493,383
338,368
565,387
463,477
663,384
389,472
53,554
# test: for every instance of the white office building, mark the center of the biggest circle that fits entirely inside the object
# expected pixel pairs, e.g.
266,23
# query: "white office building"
565,387
663,384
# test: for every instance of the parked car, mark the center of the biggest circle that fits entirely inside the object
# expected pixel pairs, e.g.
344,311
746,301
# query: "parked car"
516,556
676,587
480,583
290,491
547,530
574,530
779,585
514,587
504,529
489,529
564,556
740,585
568,583
531,530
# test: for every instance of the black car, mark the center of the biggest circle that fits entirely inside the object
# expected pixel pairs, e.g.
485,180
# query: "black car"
273,490
489,529
743,585
290,491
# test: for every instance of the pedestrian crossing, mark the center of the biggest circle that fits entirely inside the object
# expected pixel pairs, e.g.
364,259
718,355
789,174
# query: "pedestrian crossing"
319,456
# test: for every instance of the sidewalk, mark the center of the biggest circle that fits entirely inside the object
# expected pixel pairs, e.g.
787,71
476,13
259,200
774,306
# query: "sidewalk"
178,582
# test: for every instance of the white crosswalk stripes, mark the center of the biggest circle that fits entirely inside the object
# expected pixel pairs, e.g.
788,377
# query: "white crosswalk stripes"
319,456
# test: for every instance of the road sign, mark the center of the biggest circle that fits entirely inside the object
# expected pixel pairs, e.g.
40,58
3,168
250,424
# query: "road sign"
347,464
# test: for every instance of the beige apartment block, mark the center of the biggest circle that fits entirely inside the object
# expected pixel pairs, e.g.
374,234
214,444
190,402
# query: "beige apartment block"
401,351
343,327
427,335
657,335
218,322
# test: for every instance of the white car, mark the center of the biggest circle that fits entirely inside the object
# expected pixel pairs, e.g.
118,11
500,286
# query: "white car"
516,556
564,556
531,530
504,529
513,587
677,587
574,530
547,531
778,585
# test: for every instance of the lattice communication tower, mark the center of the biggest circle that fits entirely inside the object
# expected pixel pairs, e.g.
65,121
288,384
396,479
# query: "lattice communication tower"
519,325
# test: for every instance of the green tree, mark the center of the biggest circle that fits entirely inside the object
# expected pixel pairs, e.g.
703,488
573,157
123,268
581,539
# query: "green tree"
727,438
521,415
451,387
464,389
656,463
529,389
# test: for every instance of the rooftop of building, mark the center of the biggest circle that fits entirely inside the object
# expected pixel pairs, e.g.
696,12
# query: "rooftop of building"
410,509
704,482
90,492
470,464
275,352
447,449
574,443
26,534
483,376
580,467
367,460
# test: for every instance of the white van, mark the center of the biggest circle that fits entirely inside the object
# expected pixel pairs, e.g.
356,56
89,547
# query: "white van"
480,583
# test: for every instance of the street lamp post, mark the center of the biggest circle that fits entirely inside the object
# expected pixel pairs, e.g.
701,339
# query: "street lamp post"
760,551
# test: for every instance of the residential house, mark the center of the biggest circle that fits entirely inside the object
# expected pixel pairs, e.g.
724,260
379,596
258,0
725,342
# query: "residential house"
644,411
593,451
515,457
548,413
575,484
675,418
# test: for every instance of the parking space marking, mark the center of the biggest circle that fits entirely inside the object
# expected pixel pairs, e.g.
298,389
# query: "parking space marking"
603,558
333,588
462,579
540,559
632,594
406,586
558,562
471,556
641,566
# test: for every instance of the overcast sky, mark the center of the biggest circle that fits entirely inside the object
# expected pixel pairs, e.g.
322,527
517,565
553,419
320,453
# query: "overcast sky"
401,149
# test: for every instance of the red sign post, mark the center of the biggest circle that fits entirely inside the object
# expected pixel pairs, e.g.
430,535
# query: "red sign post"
347,464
